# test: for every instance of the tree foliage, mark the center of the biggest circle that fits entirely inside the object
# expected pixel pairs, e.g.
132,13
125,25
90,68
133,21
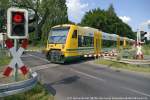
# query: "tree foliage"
47,13
107,21
4,4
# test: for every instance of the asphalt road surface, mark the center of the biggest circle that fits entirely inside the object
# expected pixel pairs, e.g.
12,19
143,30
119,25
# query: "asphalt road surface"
87,81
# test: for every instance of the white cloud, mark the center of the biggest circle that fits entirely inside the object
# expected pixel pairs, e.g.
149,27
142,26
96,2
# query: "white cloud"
76,10
125,19
145,26
146,22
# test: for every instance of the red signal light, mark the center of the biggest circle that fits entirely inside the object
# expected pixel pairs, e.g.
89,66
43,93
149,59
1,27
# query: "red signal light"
18,17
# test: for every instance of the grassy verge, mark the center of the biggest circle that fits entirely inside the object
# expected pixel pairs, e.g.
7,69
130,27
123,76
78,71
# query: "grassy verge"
4,58
146,49
3,62
38,47
137,68
37,93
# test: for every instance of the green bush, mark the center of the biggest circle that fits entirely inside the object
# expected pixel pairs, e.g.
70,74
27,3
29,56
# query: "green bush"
146,49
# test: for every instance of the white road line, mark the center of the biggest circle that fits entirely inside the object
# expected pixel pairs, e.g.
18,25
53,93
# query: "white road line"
39,58
91,76
138,92
100,79
37,68
85,74
23,56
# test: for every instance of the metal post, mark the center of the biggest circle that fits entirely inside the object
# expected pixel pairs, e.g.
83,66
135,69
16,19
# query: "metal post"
16,66
2,44
138,36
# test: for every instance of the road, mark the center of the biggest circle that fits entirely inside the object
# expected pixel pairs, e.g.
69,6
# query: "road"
88,81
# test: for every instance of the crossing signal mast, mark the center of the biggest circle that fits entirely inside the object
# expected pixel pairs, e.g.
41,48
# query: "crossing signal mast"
17,29
17,23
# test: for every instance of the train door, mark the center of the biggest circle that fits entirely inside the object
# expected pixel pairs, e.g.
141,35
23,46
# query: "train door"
72,42
97,42
100,39
124,43
118,43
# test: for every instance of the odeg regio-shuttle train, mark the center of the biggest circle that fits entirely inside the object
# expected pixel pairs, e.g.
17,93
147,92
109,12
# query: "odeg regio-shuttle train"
69,42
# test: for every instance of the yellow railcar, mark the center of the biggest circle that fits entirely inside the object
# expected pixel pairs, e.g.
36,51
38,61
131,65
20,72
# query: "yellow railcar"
67,42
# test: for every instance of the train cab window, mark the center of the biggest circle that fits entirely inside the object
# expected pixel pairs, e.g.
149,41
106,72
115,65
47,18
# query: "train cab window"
74,35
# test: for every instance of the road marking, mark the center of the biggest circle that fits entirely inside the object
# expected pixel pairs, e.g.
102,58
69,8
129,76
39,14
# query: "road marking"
39,58
138,92
100,79
24,56
85,74
91,76
37,68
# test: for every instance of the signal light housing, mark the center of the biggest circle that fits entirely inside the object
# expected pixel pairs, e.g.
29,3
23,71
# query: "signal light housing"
17,23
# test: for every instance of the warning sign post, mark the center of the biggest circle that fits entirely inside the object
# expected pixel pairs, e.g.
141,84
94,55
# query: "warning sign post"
17,30
16,63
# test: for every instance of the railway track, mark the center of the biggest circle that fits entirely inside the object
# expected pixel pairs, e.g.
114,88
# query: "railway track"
130,61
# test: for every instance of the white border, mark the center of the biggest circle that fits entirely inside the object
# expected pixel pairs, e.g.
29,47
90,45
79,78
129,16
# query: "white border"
9,22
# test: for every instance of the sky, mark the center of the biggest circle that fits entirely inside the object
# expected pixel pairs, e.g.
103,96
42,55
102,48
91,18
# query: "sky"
136,13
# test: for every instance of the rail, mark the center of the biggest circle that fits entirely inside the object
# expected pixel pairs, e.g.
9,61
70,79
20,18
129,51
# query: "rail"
130,61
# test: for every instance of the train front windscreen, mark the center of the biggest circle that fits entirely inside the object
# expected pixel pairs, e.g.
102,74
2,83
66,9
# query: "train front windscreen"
58,35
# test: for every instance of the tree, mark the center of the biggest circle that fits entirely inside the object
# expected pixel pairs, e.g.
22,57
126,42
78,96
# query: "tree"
57,15
107,21
54,10
4,4
111,10
47,13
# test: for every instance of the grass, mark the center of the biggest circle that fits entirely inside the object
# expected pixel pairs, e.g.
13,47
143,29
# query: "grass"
4,58
37,93
118,65
4,61
146,49
38,47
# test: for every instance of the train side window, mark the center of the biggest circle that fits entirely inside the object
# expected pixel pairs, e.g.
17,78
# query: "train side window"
79,40
74,35
88,41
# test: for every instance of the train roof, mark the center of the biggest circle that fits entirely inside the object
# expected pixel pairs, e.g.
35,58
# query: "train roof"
87,29
90,30
108,36
79,27
63,25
